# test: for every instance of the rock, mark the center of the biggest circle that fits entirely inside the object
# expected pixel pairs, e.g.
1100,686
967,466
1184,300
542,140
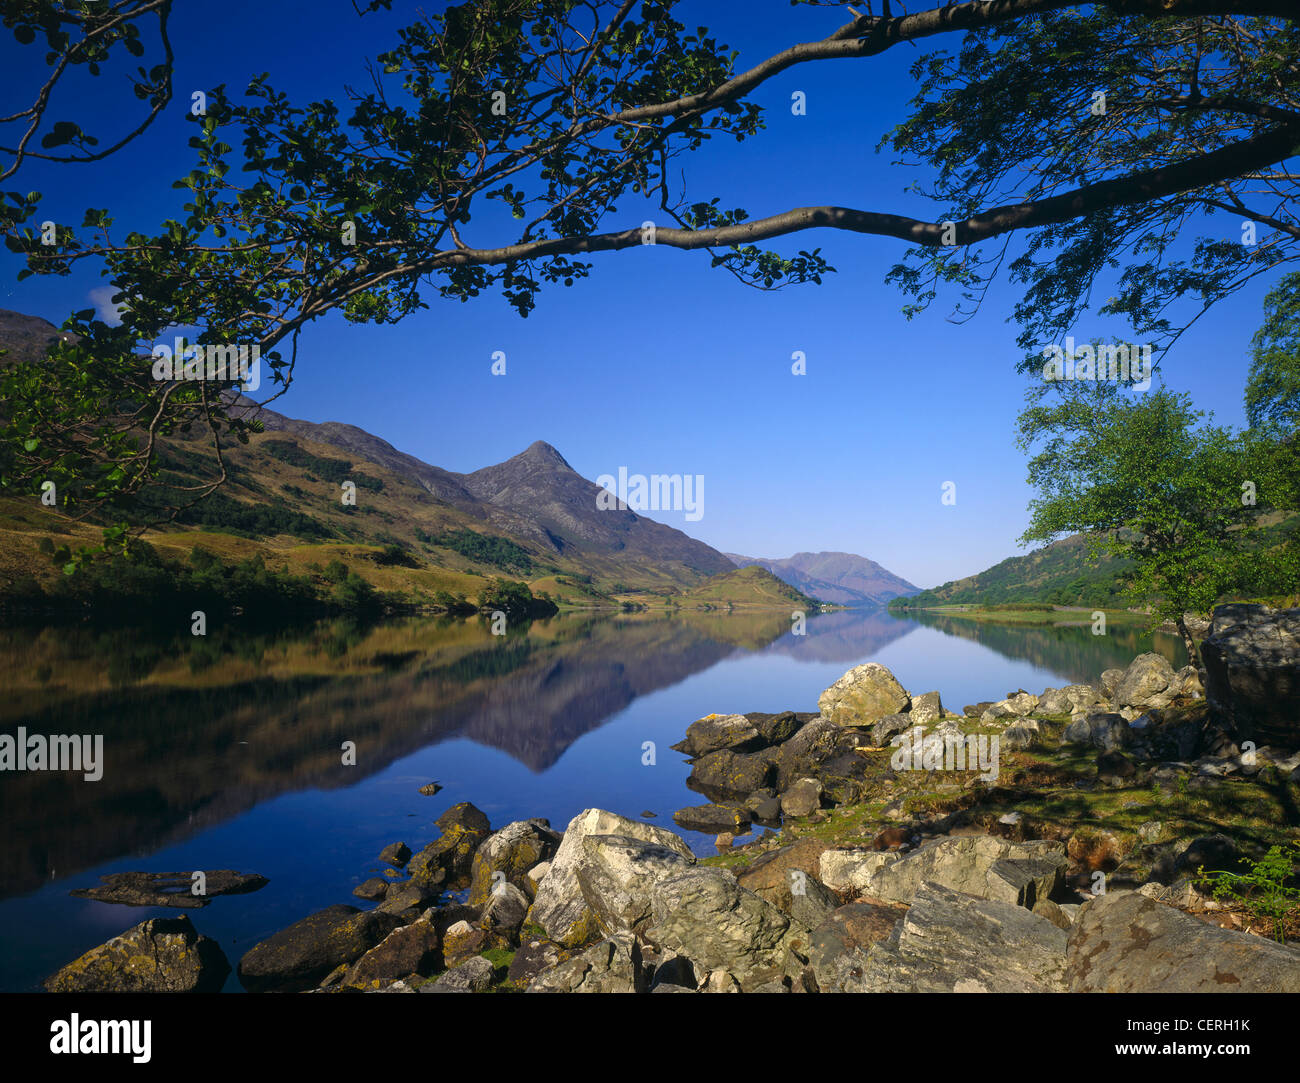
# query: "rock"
711,819
298,957
1128,943
863,696
449,858
512,851
466,817
559,907
764,806
408,895
161,955
1115,768
612,966
1067,700
444,918
472,976
1110,681
1045,908
1216,853
430,789
804,753
890,726
950,942
617,875
803,798
705,915
1252,672
926,709
174,889
774,875
838,946
1020,873
374,888
534,876
775,729
1022,734
1104,731
716,732
1151,830
720,981
411,949
733,774
851,870
1146,683
535,955
975,710
396,854
506,907
462,940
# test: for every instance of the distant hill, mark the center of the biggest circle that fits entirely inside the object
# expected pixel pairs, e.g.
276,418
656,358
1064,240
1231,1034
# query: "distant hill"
1060,574
839,578
751,586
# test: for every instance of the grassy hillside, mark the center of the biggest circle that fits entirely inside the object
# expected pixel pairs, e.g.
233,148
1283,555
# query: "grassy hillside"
752,587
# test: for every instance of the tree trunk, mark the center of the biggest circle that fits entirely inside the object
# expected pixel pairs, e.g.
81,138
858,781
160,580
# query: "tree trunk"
1193,658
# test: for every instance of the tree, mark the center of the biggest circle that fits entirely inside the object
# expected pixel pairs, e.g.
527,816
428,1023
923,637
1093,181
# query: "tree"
1273,390
1149,480
545,115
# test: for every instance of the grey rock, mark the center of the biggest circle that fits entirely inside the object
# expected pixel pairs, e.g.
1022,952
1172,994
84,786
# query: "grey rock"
298,957
863,696
803,798
1252,672
472,976
1100,730
612,966
715,732
161,955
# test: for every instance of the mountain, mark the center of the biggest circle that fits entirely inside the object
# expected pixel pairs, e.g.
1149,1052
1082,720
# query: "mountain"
747,586
839,578
531,517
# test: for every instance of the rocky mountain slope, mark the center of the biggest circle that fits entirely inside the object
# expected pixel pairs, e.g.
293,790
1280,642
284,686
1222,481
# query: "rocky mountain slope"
839,578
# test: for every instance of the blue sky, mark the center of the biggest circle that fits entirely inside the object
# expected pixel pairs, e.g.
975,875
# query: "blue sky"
657,362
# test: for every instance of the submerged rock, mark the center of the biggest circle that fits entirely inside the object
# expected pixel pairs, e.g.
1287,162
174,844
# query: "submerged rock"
169,888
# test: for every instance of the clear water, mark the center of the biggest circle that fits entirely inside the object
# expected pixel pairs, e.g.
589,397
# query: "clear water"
227,752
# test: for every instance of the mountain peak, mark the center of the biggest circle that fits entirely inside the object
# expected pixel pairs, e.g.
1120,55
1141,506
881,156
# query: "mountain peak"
541,453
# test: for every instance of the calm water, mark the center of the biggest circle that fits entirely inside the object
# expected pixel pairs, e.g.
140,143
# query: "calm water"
227,753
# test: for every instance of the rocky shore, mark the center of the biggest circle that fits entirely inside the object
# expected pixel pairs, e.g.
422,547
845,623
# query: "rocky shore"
1043,842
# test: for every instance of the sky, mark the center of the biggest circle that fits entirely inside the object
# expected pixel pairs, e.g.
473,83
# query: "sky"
656,362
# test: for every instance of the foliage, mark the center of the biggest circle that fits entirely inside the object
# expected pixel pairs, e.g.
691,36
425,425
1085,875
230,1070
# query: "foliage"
482,548
1266,889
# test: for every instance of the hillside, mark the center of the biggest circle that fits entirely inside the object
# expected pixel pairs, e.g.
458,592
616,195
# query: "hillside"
1060,574
752,586
838,578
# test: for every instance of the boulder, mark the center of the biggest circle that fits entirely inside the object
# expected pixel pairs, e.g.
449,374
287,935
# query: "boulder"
1067,700
705,915
718,731
535,955
983,866
617,875
1110,681
559,907
298,957
1129,943
407,895
161,955
950,942
775,874
1216,853
1023,733
851,870
926,709
506,908
890,726
411,949
863,696
511,852
804,754
1146,683
733,774
764,806
712,819
396,854
612,966
803,798
374,888
774,729
465,816
838,947
1252,672
449,858
472,976
1104,731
